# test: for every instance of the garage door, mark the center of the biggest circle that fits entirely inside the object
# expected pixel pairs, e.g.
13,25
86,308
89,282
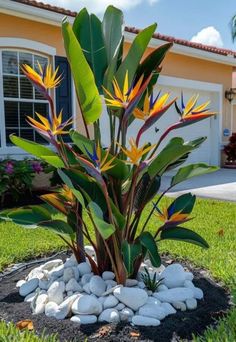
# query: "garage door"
209,151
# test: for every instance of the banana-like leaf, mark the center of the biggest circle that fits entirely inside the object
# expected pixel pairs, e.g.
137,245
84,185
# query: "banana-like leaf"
135,54
184,204
88,30
59,227
148,242
38,151
146,189
175,149
104,228
86,89
183,234
120,169
29,217
153,60
112,28
119,218
191,171
130,253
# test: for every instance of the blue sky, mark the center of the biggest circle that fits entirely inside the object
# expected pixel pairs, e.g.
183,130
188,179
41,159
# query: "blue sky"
205,20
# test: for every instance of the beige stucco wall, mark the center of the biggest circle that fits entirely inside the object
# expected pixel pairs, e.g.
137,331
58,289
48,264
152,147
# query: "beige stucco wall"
174,65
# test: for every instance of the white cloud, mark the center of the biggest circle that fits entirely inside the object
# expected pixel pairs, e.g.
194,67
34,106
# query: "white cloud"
97,6
209,36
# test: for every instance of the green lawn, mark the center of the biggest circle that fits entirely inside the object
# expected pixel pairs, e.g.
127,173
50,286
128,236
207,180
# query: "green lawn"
211,217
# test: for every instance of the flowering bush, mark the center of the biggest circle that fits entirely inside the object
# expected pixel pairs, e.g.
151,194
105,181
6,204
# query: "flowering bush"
16,176
113,184
230,149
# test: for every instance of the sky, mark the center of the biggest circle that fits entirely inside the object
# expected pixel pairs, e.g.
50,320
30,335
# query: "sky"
203,21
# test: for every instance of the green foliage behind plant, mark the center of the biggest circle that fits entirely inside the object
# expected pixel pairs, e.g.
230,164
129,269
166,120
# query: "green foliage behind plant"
111,186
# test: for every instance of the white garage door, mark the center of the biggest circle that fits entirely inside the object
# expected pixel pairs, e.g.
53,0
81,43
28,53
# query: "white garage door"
210,149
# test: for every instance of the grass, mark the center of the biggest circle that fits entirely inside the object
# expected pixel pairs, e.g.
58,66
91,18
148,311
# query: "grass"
215,221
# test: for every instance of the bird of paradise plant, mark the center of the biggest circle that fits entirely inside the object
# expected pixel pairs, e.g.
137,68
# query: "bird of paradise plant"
107,188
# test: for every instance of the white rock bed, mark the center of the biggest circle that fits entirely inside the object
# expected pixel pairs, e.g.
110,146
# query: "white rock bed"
72,291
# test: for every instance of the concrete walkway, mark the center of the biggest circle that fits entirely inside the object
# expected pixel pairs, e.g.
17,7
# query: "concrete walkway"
219,185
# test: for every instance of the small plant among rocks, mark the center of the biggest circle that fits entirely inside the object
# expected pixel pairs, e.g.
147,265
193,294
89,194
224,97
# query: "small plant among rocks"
150,281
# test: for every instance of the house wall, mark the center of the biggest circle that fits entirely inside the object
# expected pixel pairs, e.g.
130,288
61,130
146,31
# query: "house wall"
175,65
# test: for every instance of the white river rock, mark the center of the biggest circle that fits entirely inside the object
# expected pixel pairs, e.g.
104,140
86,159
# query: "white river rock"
174,276
84,319
84,268
107,275
110,316
110,302
145,321
97,285
134,298
178,294
152,310
55,292
86,305
28,287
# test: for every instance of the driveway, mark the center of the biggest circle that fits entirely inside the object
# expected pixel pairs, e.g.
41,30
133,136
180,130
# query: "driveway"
219,185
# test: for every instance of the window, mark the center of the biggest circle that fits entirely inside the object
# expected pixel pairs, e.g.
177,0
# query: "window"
20,98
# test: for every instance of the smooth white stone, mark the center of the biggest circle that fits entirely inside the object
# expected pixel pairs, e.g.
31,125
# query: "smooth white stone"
48,266
50,309
111,282
55,292
134,298
28,287
198,293
69,293
111,290
179,294
131,282
107,275
153,300
126,315
36,273
57,272
20,282
110,302
168,308
89,250
189,284
68,274
73,285
86,288
152,310
174,276
84,268
141,285
84,319
188,276
109,287
76,272
86,278
119,307
30,297
70,262
179,305
162,288
64,309
97,285
191,304
110,316
102,299
45,284
40,304
145,321
86,305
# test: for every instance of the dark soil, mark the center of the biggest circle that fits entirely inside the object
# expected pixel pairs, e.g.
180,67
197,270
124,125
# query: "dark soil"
27,198
173,328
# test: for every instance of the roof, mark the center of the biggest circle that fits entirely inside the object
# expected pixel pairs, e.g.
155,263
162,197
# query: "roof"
183,42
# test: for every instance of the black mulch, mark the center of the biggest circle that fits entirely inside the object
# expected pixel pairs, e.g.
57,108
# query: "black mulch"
173,328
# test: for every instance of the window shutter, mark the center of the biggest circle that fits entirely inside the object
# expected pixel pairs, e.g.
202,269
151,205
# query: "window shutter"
63,92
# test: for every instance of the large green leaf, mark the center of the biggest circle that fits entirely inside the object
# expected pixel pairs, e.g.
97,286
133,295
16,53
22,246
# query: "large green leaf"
183,234
59,227
70,185
38,151
104,228
184,204
130,253
119,218
135,54
112,28
88,30
147,240
146,190
175,149
120,169
153,60
86,89
190,171
29,217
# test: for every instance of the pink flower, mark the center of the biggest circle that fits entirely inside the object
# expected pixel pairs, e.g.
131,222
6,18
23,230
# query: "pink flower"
37,167
9,168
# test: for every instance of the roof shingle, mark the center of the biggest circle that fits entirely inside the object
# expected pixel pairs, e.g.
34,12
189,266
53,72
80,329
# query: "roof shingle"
208,48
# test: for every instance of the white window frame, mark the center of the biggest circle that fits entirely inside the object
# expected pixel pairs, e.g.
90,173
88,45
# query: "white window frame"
19,45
